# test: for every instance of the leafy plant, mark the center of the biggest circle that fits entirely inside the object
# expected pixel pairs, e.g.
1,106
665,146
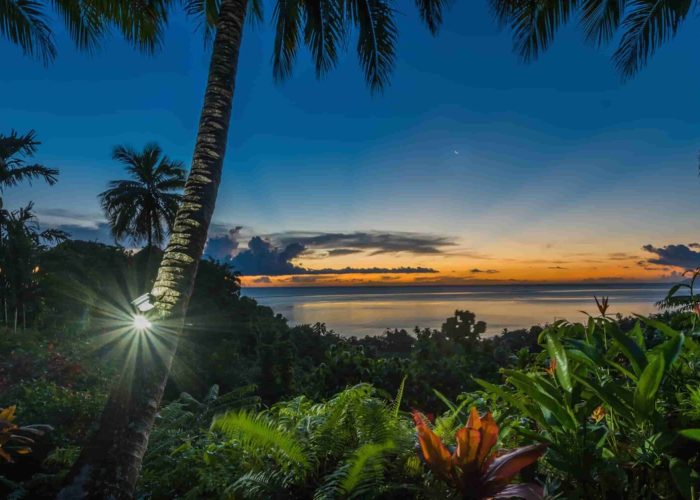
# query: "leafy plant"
599,405
16,440
474,468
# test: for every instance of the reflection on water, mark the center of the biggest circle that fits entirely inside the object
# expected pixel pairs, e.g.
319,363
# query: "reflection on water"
369,311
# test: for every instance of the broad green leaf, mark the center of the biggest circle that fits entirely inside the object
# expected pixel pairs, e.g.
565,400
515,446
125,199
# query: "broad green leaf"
531,387
690,434
589,350
497,390
660,326
624,371
670,349
647,387
558,353
445,400
611,398
638,336
630,349
683,476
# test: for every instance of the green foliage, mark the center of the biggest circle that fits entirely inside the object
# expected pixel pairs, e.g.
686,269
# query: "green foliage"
351,445
606,406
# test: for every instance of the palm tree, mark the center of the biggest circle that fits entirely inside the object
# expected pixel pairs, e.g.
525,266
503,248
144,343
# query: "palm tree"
641,26
109,464
144,206
14,150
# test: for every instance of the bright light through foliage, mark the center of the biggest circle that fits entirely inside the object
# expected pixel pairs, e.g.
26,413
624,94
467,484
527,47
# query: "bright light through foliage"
141,323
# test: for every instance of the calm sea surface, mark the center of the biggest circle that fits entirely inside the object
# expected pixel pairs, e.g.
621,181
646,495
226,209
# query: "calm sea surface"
370,310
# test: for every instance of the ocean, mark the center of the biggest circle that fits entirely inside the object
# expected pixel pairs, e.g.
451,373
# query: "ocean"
363,311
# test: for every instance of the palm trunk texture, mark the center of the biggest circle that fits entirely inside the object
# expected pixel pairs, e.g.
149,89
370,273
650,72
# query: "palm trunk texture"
109,465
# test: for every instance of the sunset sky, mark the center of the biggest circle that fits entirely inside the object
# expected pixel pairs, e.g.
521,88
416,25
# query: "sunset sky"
472,167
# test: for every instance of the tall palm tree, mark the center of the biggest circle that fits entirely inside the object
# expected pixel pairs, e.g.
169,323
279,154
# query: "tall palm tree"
14,151
144,207
641,26
109,464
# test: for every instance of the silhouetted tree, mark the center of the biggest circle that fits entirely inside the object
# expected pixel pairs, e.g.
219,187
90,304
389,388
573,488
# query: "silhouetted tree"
144,206
109,465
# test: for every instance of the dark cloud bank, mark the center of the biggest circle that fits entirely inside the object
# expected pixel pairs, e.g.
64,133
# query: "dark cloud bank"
674,255
263,258
273,255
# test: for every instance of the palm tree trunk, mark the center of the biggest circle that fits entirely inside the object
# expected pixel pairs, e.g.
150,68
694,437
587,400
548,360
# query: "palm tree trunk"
109,465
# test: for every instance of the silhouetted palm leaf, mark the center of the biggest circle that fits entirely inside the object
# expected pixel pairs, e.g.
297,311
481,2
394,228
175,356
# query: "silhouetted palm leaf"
648,24
431,12
601,18
24,23
376,39
14,148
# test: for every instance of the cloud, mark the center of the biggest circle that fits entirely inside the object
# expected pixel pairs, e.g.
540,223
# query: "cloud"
100,232
485,271
337,252
374,241
557,267
222,246
674,256
262,279
621,256
263,258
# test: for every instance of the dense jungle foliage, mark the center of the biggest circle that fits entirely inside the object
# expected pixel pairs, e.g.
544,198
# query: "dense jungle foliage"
258,409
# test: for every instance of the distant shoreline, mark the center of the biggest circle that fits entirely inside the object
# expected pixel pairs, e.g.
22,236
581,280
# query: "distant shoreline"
500,284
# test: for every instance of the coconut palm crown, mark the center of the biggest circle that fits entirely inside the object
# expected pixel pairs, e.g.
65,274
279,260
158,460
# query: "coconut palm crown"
15,149
144,206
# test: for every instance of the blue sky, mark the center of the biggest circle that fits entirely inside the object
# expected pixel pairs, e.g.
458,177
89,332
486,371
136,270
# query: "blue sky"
515,162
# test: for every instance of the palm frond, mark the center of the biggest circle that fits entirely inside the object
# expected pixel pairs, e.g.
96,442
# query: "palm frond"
28,173
600,19
24,23
84,22
533,22
682,303
376,39
287,18
431,13
17,144
647,25
323,32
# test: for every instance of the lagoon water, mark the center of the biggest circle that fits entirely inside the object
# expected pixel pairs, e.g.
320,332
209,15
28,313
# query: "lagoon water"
370,310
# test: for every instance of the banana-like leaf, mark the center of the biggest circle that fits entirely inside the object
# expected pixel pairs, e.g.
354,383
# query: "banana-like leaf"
530,386
631,350
670,349
557,352
616,398
690,434
660,326
648,386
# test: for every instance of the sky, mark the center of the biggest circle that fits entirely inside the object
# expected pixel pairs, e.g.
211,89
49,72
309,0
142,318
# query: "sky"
471,167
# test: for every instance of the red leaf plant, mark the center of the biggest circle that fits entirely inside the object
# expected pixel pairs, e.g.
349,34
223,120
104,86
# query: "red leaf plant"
475,469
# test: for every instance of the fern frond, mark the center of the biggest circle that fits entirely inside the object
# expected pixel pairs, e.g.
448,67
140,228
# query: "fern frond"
359,476
259,431
399,396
